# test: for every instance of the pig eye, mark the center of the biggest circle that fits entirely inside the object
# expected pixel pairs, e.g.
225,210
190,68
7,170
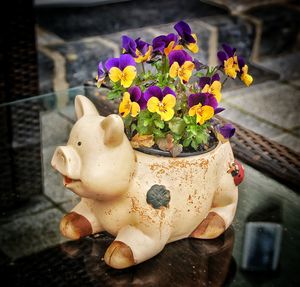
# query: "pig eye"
79,143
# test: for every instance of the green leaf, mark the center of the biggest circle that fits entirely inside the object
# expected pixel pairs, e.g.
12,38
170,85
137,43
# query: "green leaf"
177,125
159,123
193,129
201,137
112,95
146,122
133,127
127,121
194,145
187,142
158,133
189,120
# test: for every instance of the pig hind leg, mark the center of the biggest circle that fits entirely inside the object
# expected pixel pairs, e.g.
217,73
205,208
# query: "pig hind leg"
133,246
222,212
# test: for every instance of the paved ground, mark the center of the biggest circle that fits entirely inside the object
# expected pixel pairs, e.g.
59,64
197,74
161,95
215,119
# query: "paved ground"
68,59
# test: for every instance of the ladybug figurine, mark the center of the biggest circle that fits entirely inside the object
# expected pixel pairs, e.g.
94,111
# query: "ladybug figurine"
237,171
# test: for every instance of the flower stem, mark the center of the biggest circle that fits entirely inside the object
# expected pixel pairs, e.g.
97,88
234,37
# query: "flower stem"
223,83
143,67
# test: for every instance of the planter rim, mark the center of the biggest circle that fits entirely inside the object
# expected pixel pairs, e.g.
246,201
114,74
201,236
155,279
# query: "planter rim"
157,152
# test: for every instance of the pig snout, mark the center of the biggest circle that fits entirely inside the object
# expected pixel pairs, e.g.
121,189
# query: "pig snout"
67,161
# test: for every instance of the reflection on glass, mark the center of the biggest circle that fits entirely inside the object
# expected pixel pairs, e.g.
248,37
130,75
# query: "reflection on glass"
188,262
262,242
261,246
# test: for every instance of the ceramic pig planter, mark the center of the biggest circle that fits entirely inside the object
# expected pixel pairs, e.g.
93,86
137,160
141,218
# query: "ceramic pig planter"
146,201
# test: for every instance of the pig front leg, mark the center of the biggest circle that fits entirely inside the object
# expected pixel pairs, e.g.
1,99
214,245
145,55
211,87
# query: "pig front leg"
222,212
133,246
80,222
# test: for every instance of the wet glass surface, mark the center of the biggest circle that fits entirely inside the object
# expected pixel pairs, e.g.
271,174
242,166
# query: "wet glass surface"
260,249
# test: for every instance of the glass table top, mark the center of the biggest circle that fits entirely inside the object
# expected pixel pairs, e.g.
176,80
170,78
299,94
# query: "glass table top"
261,248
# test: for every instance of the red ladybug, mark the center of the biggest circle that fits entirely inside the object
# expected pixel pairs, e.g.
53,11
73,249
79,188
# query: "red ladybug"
237,171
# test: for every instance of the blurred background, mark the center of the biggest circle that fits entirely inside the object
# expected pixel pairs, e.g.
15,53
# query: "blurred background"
72,36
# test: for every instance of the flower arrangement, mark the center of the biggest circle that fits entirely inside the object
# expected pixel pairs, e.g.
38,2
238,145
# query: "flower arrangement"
167,98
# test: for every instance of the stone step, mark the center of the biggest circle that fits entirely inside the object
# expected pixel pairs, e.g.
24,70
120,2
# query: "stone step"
286,65
279,28
81,56
270,109
75,23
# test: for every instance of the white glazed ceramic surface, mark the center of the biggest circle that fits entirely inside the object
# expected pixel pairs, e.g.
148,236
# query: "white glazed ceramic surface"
146,201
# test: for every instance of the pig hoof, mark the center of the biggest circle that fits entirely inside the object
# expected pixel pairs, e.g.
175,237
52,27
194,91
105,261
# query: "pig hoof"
118,255
75,226
211,227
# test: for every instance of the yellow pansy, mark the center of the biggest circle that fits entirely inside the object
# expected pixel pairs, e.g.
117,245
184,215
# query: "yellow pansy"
203,113
126,76
143,58
231,67
193,47
214,88
245,77
184,72
128,107
164,108
172,47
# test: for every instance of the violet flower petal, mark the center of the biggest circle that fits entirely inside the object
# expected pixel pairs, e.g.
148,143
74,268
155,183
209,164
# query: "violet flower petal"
159,43
129,45
184,31
198,64
193,100
153,91
179,56
126,60
229,50
207,99
171,37
227,131
211,101
203,81
112,62
101,71
222,57
219,110
142,46
241,62
215,77
135,93
142,102
167,91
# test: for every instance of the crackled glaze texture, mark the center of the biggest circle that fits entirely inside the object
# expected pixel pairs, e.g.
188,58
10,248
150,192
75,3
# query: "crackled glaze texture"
146,201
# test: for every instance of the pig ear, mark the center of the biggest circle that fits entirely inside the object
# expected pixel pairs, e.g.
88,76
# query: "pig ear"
83,107
114,130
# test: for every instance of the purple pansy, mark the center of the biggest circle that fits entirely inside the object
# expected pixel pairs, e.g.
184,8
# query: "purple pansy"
179,56
230,52
101,71
136,95
121,63
129,45
219,110
198,64
227,53
185,32
205,99
155,91
227,131
208,80
161,42
142,46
